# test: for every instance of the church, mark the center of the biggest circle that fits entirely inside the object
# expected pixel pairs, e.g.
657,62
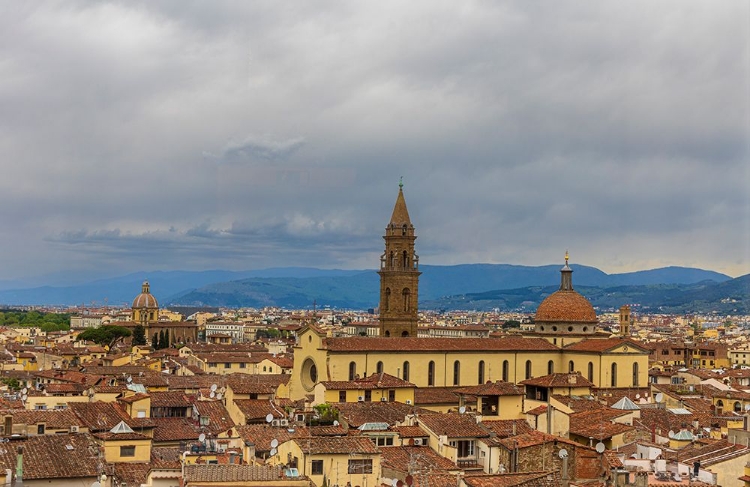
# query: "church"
565,338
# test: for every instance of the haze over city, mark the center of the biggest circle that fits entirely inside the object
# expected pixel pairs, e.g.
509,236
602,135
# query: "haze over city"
205,135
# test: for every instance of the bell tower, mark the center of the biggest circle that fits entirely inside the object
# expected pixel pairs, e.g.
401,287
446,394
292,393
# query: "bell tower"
399,275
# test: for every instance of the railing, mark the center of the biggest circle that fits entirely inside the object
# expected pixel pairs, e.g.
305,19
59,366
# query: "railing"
469,462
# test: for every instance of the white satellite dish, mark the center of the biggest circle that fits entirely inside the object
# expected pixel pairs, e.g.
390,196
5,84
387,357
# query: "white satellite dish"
637,396
273,451
25,390
202,437
394,482
659,397
670,433
24,397
274,443
219,396
600,447
747,407
269,418
96,484
214,387
563,453
212,395
335,422
462,409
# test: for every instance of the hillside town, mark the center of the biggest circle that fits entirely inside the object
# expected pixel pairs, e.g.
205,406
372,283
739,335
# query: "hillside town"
396,396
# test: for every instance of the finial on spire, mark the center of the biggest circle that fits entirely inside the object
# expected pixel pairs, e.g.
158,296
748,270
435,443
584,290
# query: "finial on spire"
566,257
401,182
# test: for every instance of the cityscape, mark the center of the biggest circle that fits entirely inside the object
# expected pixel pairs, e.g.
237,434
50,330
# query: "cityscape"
375,245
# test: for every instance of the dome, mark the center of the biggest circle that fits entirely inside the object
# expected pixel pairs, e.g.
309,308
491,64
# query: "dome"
145,299
567,307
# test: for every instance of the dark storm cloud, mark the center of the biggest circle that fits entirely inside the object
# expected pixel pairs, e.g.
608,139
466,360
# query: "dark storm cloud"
200,135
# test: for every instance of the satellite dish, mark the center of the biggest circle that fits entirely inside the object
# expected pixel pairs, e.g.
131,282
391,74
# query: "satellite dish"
747,407
214,387
670,434
659,397
219,396
600,447
336,423
96,484
394,482
202,437
462,409
24,397
273,451
212,395
563,453
25,390
274,443
269,418
409,480
637,396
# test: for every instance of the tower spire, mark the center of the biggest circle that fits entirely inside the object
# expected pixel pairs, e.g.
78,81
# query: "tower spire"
566,275
400,214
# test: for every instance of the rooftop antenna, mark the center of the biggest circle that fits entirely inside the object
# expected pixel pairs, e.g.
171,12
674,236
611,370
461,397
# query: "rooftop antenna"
401,182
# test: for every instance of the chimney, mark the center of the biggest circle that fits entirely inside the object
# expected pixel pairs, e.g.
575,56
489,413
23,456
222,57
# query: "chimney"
19,467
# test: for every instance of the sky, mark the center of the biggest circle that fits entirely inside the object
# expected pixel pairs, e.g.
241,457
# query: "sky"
163,135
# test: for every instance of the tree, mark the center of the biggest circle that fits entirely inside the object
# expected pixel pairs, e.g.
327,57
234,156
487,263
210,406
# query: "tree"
106,335
139,335
155,342
162,340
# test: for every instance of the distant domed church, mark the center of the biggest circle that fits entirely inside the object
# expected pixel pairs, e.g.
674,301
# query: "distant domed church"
145,308
565,315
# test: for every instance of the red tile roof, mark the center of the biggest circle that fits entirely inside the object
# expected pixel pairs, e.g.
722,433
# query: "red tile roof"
416,345
54,457
453,425
600,345
374,381
497,388
336,445
573,379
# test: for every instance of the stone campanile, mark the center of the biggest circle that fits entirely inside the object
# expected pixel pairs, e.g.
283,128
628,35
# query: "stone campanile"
399,275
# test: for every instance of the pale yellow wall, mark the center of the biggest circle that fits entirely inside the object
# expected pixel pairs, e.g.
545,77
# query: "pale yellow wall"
402,395
33,402
142,451
335,466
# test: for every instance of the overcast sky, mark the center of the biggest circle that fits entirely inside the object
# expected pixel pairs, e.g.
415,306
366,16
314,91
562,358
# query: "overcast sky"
241,135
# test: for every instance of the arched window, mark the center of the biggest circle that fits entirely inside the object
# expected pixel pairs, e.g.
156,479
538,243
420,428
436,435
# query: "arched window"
407,298
571,366
550,367
528,369
635,374
387,303
379,368
737,407
480,373
352,370
405,260
614,374
431,373
406,370
506,366
456,373
591,372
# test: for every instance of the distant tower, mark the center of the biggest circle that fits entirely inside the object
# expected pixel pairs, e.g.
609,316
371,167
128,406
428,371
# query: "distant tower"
625,320
399,275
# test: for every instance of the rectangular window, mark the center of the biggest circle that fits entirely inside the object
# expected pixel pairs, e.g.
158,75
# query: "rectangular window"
342,396
227,365
391,396
317,467
368,396
360,466
127,451
40,429
243,365
212,364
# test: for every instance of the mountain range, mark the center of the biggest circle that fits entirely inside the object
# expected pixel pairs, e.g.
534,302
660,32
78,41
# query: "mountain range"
467,286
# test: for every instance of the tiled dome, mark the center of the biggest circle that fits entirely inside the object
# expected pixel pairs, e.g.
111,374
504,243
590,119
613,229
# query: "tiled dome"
145,299
566,306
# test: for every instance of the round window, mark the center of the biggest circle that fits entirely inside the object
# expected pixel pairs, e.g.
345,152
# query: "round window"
570,328
554,328
309,374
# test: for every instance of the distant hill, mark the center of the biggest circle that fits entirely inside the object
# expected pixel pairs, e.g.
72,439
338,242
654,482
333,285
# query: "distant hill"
297,287
728,297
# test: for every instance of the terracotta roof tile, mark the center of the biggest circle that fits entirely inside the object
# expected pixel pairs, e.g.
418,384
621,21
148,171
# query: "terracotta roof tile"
258,409
497,388
414,458
415,345
526,479
573,379
358,413
54,457
453,425
231,473
336,444
256,383
374,381
603,344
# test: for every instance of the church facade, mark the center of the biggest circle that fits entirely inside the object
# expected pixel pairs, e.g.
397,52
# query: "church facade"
565,338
